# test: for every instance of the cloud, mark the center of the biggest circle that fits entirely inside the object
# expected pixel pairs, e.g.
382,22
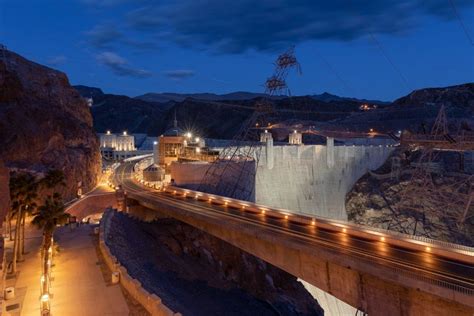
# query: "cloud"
237,26
56,60
106,35
103,35
120,66
179,74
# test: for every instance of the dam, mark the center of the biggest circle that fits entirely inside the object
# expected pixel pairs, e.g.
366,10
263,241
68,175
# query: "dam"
310,179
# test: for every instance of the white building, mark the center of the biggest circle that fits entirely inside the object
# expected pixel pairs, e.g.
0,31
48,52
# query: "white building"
118,147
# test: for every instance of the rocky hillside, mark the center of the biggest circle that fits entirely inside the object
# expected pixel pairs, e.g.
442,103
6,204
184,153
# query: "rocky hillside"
460,95
195,273
406,201
211,118
220,116
4,192
45,124
416,109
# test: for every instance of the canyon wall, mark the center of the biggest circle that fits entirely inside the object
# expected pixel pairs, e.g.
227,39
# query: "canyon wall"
45,124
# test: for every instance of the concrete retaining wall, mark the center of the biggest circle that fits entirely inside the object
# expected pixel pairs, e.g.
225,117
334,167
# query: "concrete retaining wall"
92,204
151,302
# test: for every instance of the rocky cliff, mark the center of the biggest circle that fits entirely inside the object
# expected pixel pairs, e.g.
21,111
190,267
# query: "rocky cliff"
460,95
418,108
4,192
45,124
195,273
404,199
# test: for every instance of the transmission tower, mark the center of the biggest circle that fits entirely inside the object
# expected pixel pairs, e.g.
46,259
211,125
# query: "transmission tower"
430,190
233,173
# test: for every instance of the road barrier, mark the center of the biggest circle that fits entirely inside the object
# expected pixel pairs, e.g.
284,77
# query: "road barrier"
151,302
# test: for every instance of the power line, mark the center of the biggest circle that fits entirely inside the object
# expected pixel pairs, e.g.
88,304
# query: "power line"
390,61
335,72
463,26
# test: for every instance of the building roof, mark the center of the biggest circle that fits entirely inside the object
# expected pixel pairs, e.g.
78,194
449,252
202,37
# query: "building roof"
152,168
174,131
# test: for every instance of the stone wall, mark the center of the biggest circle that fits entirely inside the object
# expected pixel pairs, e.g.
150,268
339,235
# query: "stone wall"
151,302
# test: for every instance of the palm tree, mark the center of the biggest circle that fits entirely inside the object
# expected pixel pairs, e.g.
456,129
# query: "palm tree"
50,214
53,178
23,191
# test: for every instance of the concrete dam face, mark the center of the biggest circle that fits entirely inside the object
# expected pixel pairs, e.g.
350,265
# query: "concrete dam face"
314,179
310,179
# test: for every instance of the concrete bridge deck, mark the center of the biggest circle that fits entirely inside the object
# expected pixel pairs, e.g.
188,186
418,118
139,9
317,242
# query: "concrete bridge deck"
379,277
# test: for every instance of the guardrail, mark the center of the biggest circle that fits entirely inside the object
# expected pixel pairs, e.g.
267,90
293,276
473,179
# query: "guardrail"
418,243
351,229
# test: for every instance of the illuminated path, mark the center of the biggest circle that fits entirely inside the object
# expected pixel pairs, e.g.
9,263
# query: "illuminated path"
378,272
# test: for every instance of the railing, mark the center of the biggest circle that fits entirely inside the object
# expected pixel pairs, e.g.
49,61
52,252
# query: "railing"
350,229
417,243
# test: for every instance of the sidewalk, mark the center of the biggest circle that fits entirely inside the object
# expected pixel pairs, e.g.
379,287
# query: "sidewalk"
77,288
27,282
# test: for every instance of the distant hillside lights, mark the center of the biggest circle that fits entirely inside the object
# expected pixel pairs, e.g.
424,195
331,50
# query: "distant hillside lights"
367,107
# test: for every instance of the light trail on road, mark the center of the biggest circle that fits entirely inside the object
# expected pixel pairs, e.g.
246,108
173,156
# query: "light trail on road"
423,263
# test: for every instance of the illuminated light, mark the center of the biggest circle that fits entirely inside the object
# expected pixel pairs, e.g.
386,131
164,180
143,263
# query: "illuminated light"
344,230
428,249
184,194
210,200
45,297
256,124
174,192
188,135
108,132
266,131
294,131
371,130
226,203
382,238
263,212
243,207
268,124
286,216
155,143
313,222
124,133
197,196
197,139
198,150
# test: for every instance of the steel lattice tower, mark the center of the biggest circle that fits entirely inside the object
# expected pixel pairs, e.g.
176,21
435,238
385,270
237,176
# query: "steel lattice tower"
233,173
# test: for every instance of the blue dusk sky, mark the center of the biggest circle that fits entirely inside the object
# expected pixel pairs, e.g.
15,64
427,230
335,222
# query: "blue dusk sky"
378,49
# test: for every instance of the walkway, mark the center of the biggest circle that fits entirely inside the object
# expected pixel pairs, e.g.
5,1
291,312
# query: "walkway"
78,287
